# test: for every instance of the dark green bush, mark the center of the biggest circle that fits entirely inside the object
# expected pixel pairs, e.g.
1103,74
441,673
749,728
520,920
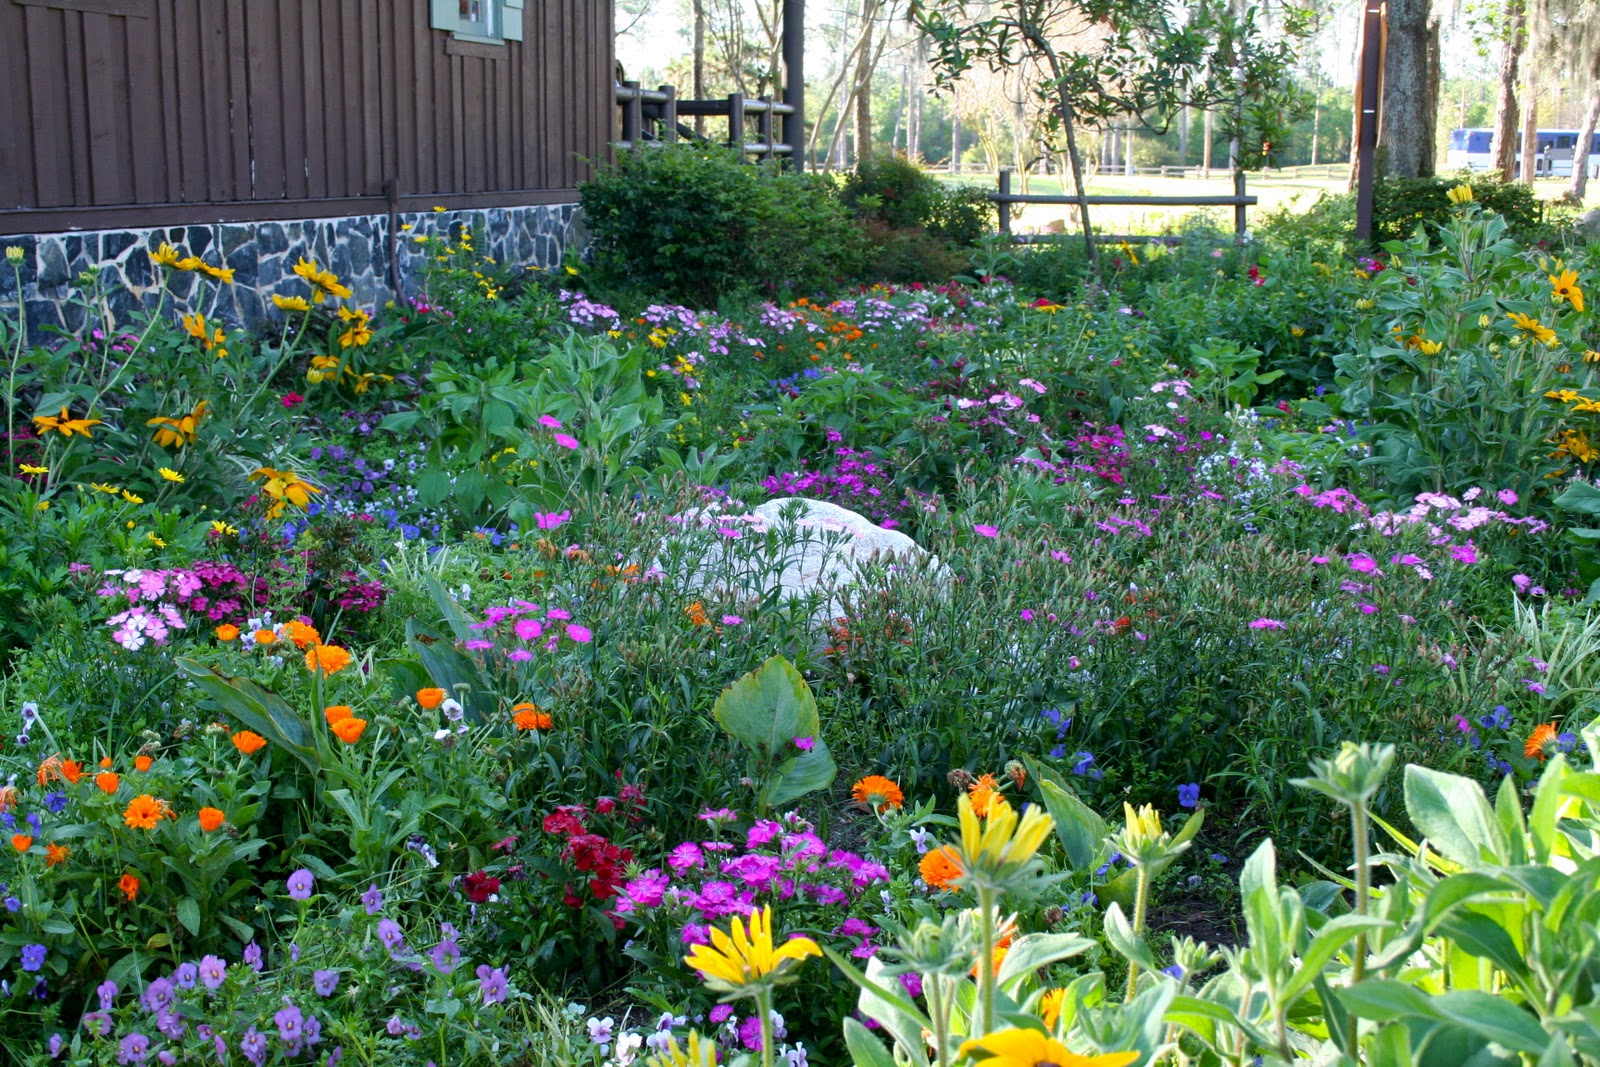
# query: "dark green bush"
1399,205
695,224
918,229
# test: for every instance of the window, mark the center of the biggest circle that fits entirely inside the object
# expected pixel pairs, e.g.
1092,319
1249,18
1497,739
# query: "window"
485,21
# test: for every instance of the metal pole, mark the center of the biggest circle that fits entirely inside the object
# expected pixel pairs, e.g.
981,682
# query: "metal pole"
736,122
669,114
1005,205
764,124
794,80
632,115
1369,93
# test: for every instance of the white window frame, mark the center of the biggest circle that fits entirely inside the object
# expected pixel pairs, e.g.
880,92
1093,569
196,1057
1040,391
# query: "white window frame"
504,21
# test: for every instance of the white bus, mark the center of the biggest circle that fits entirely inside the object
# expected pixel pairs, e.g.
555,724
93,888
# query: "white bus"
1557,149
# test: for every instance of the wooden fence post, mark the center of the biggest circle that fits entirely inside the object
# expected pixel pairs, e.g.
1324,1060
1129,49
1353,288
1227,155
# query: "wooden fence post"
764,124
632,115
669,114
1003,204
1238,209
736,122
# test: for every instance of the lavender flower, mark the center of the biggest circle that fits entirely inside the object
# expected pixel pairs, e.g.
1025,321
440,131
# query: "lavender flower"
373,900
213,972
252,956
300,884
492,984
325,982
135,1048
254,1046
389,933
33,957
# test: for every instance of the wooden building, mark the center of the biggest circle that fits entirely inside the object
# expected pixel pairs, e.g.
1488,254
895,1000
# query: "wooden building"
265,129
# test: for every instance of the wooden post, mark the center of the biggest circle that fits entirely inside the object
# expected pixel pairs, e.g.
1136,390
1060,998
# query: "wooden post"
794,80
1369,92
1238,209
669,114
632,115
764,124
736,122
1003,204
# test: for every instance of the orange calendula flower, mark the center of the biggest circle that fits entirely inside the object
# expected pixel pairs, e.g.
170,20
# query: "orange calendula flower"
430,698
877,792
21,842
227,632
302,634
329,659
210,818
1050,1006
1540,742
129,884
108,781
49,768
527,716
349,730
55,854
335,712
697,614
71,770
8,797
264,637
144,812
982,794
249,742
941,866
142,763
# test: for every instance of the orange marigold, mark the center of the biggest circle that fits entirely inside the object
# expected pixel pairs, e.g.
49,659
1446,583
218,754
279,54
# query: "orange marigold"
249,742
941,866
349,730
142,763
108,781
265,637
144,812
1540,742
55,854
21,842
1050,1006
211,818
49,767
105,761
697,614
430,698
329,659
529,717
129,884
71,770
877,792
982,794
302,634
227,632
334,712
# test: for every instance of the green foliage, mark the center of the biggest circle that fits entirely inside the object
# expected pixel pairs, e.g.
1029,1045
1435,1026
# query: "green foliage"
695,223
1401,205
772,713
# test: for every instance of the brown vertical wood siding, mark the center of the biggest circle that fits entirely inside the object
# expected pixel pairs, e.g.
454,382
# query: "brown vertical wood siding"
209,110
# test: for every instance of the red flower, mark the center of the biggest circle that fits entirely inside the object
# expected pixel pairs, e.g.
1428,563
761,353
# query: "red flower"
566,820
605,805
292,399
479,886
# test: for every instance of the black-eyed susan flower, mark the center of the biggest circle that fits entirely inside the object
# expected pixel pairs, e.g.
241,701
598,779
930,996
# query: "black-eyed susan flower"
1564,286
1022,1047
170,475
179,431
64,424
741,964
1528,324
359,332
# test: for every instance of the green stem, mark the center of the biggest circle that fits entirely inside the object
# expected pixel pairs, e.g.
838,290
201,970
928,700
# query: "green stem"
941,1019
764,1006
986,904
1140,904
1358,965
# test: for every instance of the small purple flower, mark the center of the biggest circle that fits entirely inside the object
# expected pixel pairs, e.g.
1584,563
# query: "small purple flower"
325,982
492,984
252,956
135,1048
1189,795
805,744
212,972
186,975
107,993
291,1025
1175,971
33,957
157,995
254,1046
372,899
750,1033
312,1030
396,1026
300,884
389,933
97,1022
335,1056
720,1014
446,956
56,1044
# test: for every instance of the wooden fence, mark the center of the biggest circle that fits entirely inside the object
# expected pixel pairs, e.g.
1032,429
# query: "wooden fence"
1239,201
650,117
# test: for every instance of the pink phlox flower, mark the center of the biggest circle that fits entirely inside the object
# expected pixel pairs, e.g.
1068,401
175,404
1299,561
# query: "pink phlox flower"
550,422
566,440
1266,624
985,531
581,635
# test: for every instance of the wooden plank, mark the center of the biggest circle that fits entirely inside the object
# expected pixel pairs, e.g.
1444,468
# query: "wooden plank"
133,9
146,115
370,44
313,104
167,101
360,108
265,101
389,59
555,51
475,49
447,105
292,106
502,107
17,188
188,140
334,103
235,63
206,96
105,109
423,154
475,110
77,107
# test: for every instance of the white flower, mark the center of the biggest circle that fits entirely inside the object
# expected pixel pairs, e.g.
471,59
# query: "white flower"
451,709
919,837
796,1056
628,1046
669,1020
600,1031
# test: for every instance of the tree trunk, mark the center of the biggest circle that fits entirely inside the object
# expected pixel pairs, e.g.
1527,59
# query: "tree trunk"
864,101
699,7
914,129
1205,149
1580,155
1410,106
955,138
1530,106
1503,147
1183,137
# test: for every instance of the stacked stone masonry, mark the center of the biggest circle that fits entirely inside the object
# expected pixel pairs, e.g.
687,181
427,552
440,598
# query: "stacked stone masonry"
263,255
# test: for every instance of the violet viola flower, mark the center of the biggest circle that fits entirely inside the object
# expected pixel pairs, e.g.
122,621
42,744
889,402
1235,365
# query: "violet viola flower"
300,884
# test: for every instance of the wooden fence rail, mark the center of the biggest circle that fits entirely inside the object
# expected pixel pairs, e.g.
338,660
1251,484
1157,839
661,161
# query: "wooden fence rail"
1239,201
650,117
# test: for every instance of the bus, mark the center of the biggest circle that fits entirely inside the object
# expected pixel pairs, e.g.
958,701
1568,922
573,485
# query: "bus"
1469,148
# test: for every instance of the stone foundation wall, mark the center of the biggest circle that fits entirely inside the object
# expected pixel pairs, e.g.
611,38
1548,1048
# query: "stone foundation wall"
263,255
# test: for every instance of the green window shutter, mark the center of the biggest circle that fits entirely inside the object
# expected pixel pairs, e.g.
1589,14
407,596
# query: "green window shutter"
445,15
511,14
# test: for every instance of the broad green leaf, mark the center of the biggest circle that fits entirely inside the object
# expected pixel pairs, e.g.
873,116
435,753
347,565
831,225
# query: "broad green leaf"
1454,815
865,1049
1493,1018
189,915
1030,952
768,708
1081,830
1121,935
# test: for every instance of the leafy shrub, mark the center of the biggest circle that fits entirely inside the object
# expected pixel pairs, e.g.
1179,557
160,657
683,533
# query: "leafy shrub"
1400,205
697,223
917,227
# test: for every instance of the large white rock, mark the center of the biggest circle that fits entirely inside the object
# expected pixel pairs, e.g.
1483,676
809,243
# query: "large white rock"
799,546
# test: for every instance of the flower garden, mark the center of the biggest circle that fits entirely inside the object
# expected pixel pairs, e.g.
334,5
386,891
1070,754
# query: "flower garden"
422,685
